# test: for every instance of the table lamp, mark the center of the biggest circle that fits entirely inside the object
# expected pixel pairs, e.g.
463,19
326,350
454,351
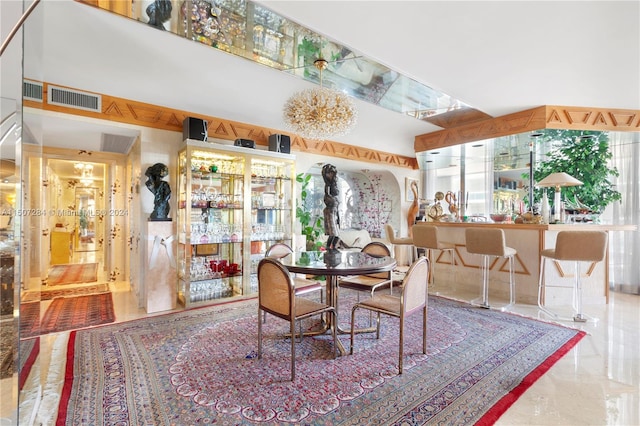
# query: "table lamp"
557,180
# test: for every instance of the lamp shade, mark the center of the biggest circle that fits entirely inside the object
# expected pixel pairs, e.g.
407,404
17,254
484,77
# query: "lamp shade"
559,179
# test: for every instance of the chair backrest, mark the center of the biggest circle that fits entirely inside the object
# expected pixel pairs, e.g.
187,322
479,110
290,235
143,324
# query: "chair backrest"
425,236
414,285
389,232
589,246
275,288
377,248
278,251
488,241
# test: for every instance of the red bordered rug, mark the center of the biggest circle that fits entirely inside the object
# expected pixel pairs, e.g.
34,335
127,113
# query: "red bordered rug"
199,366
66,313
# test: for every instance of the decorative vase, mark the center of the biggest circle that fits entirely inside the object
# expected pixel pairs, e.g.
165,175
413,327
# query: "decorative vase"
545,207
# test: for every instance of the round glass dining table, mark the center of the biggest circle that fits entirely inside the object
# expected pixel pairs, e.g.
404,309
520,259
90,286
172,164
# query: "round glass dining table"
333,264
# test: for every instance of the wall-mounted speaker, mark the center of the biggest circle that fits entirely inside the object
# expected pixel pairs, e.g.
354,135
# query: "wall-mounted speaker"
194,128
245,143
280,143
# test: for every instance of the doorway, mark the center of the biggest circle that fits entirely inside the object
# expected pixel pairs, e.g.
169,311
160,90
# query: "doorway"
76,193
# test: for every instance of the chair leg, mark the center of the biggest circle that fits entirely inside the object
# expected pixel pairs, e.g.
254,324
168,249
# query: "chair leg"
260,333
333,332
401,344
293,348
353,322
424,330
483,300
512,291
579,317
541,288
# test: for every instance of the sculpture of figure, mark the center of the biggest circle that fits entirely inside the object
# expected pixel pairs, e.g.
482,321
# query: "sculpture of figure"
159,12
415,207
331,216
160,189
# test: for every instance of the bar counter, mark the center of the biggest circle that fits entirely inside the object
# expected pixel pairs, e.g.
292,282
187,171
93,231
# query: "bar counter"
528,240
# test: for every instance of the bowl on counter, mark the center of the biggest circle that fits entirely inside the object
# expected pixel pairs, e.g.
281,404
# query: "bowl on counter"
498,217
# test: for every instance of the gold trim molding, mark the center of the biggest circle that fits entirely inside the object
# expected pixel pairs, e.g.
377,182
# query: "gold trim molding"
158,117
544,117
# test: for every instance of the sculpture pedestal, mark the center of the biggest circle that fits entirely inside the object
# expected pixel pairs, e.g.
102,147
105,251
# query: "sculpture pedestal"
161,279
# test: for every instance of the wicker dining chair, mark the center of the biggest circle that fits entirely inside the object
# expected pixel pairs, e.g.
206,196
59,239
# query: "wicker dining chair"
371,282
276,296
413,298
302,285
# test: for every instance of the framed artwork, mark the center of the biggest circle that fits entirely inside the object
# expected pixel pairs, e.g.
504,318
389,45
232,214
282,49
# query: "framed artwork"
408,193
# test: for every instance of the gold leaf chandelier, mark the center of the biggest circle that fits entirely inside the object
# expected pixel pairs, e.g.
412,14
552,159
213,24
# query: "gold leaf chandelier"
320,113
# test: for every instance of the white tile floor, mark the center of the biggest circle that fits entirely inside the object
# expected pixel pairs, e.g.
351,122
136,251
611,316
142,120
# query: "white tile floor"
596,383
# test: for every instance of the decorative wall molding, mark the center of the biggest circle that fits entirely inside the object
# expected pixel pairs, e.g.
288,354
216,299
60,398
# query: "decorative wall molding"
544,117
158,117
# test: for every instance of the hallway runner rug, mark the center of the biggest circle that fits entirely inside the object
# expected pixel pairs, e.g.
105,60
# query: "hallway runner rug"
68,313
32,296
199,366
73,273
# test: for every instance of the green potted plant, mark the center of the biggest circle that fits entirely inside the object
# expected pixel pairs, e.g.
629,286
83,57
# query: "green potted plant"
311,225
585,156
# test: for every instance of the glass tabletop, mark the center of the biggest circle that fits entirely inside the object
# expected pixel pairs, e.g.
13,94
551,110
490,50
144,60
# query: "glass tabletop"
336,262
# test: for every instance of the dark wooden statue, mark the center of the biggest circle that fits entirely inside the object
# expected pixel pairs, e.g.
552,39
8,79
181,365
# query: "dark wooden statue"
331,216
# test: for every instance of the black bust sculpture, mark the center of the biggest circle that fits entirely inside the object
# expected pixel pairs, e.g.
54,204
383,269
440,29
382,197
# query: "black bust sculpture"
160,189
159,12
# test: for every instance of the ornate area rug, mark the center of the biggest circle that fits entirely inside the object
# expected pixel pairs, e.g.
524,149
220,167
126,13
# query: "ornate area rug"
73,273
200,366
67,313
29,319
32,296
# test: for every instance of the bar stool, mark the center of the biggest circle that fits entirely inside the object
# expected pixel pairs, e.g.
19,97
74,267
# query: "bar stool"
426,237
403,241
574,246
490,242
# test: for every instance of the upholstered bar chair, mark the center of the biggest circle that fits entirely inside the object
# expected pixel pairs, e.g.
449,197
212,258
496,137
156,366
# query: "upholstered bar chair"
276,296
398,241
577,247
490,243
426,237
413,298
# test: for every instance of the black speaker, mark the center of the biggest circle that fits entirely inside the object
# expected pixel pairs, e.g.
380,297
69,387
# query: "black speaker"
245,143
280,143
194,128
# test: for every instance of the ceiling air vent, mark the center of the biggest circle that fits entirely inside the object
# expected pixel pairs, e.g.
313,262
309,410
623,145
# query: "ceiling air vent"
74,99
116,143
32,90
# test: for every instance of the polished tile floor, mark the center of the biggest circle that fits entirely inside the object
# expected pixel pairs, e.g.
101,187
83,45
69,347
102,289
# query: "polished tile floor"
596,383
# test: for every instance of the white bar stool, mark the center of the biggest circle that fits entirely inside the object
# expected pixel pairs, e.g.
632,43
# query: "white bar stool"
490,242
575,246
426,237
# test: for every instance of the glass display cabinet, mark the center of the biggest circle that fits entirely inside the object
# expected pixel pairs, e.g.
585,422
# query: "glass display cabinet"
233,203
